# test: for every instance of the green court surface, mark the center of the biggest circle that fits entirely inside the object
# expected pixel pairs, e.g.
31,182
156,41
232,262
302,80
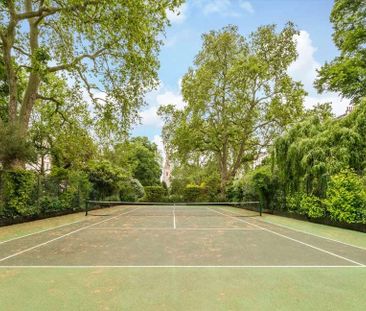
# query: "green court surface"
180,258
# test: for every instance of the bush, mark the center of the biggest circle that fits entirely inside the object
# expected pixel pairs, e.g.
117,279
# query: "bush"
130,190
266,185
174,198
19,193
154,193
105,178
311,206
63,190
293,202
195,193
242,190
346,198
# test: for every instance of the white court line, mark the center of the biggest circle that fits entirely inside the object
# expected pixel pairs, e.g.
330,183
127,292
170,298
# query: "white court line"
64,235
298,241
45,230
181,229
174,223
194,267
302,231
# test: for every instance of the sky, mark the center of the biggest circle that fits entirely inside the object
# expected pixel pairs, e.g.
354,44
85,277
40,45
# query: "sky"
183,41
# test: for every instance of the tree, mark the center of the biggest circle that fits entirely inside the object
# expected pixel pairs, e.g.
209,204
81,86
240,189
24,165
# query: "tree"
346,74
62,128
238,96
318,147
106,179
107,46
140,157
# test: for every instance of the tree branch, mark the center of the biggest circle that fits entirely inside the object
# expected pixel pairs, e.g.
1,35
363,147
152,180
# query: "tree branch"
58,105
44,11
77,60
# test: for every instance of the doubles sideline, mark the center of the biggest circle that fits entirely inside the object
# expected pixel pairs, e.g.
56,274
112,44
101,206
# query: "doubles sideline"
295,240
65,235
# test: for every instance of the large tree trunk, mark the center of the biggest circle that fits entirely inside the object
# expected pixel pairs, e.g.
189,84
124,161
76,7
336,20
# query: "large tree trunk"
18,119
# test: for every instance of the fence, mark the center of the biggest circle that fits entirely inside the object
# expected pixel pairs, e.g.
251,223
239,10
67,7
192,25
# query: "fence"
27,195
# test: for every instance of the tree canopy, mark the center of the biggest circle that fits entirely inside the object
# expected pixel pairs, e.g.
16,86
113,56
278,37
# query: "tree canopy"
107,47
139,156
238,96
346,74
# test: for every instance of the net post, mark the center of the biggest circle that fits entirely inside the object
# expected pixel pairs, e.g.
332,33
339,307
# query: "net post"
86,207
260,209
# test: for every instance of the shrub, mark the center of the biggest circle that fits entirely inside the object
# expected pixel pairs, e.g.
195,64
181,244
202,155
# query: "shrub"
154,193
174,198
311,206
19,193
63,190
105,178
195,193
293,202
130,190
266,185
242,190
346,198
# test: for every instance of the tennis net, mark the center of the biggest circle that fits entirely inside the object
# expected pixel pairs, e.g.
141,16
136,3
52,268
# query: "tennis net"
199,209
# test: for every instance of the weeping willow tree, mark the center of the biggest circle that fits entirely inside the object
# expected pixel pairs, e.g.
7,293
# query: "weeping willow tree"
319,147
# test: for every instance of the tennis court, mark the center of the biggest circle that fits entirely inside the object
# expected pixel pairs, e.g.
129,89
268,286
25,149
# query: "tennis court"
214,236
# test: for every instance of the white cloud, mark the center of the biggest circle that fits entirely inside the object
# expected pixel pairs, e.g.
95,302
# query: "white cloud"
159,142
155,99
179,15
149,117
224,7
304,70
216,6
339,104
247,6
169,97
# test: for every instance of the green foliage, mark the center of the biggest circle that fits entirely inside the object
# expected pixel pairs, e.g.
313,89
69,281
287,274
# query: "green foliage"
265,182
242,190
293,202
316,148
130,190
18,193
104,46
195,193
346,198
346,74
140,157
154,194
174,198
311,206
238,96
62,128
14,145
105,179
64,190
307,205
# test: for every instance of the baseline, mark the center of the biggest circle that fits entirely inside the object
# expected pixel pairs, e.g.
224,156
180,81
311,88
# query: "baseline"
189,267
